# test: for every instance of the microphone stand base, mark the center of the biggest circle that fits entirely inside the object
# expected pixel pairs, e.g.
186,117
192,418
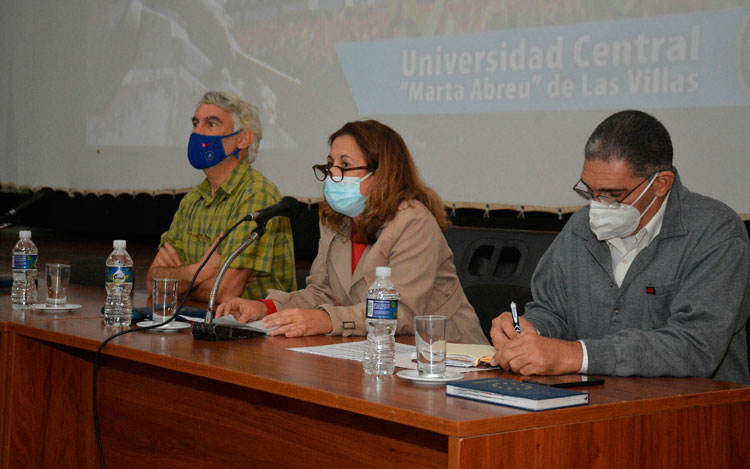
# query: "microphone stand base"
216,332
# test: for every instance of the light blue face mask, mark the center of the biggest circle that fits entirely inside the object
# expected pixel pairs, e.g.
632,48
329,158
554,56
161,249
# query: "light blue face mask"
344,197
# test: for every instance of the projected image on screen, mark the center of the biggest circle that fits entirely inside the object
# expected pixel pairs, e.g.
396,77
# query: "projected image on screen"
169,52
495,98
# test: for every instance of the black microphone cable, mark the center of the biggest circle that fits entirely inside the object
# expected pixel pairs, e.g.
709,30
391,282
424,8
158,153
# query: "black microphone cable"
152,326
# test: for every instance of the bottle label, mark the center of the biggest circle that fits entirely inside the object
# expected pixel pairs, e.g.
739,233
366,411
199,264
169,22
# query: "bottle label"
118,274
382,309
24,261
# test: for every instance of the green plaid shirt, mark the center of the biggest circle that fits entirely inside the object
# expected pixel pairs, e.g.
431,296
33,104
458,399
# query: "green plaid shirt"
201,218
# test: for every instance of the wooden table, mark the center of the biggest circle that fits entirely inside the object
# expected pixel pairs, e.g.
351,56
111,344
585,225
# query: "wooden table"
167,400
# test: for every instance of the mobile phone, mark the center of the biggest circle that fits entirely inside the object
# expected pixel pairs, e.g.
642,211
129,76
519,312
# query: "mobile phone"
565,381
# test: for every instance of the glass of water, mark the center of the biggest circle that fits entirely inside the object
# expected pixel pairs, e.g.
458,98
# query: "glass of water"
429,335
58,279
164,296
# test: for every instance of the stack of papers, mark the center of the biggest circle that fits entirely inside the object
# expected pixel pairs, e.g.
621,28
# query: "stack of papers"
460,358
352,350
232,322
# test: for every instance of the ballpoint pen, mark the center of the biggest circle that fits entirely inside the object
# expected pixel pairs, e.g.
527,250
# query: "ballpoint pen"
514,313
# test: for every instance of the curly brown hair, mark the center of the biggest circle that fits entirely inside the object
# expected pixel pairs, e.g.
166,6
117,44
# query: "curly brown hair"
396,179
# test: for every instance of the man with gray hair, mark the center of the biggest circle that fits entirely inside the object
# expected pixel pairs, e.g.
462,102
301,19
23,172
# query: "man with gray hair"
224,142
647,279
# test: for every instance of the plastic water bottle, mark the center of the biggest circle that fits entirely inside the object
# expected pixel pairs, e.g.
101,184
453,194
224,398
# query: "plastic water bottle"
381,314
24,271
118,309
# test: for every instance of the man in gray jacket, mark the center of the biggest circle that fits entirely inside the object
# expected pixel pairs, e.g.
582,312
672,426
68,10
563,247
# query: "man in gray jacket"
648,279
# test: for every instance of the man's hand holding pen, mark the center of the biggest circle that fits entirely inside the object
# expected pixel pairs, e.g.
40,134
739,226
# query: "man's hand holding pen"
529,353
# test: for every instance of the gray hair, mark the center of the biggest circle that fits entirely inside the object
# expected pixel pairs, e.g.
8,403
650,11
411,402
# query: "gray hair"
244,115
634,137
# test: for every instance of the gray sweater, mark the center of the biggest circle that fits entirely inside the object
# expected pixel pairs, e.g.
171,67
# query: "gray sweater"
681,309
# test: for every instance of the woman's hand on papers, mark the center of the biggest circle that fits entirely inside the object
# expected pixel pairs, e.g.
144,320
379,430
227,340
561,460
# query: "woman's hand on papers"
297,322
243,310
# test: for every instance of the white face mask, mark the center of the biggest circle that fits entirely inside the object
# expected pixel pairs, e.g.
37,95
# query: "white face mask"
609,222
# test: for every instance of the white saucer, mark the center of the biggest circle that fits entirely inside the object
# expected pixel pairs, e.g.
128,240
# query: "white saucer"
172,326
55,309
413,375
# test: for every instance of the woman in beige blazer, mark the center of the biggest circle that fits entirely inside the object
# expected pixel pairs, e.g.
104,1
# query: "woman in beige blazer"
377,212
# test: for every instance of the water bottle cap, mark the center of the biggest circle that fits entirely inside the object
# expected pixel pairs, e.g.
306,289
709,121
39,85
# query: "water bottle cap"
382,271
24,234
120,243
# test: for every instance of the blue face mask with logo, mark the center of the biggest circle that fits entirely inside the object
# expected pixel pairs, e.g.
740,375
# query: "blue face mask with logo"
344,197
205,151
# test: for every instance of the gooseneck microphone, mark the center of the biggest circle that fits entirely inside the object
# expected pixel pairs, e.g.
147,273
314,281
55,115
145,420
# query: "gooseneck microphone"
208,330
285,207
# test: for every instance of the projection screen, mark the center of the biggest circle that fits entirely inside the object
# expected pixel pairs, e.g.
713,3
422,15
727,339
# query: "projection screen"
494,98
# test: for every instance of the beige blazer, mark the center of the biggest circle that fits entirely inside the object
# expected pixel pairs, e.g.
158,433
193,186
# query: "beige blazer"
421,269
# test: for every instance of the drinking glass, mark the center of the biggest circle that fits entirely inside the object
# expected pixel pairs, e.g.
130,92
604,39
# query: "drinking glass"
164,296
58,280
429,333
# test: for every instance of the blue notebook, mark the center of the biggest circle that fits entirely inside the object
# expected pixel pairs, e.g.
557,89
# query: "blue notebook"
518,394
